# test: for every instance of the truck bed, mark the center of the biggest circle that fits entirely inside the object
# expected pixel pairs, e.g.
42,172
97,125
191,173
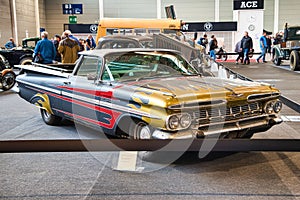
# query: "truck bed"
62,70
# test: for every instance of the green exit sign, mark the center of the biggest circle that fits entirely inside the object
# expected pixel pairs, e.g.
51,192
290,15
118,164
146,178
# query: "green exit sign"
73,19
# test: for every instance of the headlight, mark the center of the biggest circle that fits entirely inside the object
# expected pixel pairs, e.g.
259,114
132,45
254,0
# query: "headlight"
269,107
273,107
179,121
173,122
185,120
277,106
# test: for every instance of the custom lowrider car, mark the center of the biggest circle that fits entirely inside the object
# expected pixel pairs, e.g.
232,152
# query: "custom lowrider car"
148,93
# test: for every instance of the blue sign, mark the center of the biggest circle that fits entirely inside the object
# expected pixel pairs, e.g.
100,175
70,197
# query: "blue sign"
72,9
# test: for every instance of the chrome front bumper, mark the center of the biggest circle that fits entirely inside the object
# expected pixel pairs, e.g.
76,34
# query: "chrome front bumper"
251,123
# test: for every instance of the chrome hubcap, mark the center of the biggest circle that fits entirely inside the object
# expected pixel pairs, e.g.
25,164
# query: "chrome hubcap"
145,132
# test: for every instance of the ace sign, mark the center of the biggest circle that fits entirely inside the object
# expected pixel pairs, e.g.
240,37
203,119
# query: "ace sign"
248,4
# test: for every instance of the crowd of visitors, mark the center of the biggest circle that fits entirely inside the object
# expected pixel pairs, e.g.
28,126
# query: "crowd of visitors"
62,48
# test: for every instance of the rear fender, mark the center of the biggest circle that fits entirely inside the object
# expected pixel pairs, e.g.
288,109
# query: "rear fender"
5,71
278,52
26,56
42,101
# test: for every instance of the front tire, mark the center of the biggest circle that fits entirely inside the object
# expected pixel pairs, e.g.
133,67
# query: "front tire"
294,61
140,130
49,118
277,61
8,80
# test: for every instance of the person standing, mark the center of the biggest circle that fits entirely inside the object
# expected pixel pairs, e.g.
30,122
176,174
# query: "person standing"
10,44
56,42
72,37
213,44
263,47
82,46
246,46
69,49
240,53
269,44
46,49
203,41
90,43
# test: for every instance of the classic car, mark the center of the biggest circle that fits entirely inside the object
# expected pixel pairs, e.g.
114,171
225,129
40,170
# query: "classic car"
7,77
288,47
124,41
148,93
19,55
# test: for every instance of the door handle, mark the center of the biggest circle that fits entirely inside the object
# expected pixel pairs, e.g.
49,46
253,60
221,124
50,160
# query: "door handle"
67,82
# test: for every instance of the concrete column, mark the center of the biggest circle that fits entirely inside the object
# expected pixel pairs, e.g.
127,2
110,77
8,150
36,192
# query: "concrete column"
276,16
217,10
158,6
101,9
15,29
37,17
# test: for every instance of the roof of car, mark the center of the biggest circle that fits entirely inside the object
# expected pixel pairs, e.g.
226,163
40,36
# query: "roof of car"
104,52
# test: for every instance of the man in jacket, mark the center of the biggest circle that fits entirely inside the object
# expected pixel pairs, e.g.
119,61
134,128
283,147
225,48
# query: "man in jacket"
46,49
263,47
246,46
213,44
69,49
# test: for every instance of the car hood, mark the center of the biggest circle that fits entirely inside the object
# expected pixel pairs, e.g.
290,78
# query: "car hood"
174,91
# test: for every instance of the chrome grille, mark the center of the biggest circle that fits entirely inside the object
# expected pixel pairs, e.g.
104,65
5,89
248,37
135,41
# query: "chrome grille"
228,113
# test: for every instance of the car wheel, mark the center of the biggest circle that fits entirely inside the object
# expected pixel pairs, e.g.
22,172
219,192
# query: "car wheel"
277,61
49,118
26,61
8,80
294,61
140,130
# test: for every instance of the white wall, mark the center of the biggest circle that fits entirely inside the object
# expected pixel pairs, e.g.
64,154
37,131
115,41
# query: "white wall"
289,12
56,19
130,8
191,10
6,30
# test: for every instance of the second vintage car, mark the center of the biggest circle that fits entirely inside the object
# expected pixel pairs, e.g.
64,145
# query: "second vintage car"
148,93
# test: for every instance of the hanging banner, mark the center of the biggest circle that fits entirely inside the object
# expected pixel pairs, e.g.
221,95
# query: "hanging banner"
82,28
209,26
248,4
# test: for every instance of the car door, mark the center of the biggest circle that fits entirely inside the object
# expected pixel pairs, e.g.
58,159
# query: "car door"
80,92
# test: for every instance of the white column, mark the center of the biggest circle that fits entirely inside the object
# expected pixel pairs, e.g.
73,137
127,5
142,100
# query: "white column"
158,8
15,22
37,17
276,16
217,10
101,9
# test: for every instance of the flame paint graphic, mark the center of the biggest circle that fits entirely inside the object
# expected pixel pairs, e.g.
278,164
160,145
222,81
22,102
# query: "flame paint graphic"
42,101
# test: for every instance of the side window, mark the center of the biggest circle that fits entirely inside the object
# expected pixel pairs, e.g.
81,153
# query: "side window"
89,68
110,74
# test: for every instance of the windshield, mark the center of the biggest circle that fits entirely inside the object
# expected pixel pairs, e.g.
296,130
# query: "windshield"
145,65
